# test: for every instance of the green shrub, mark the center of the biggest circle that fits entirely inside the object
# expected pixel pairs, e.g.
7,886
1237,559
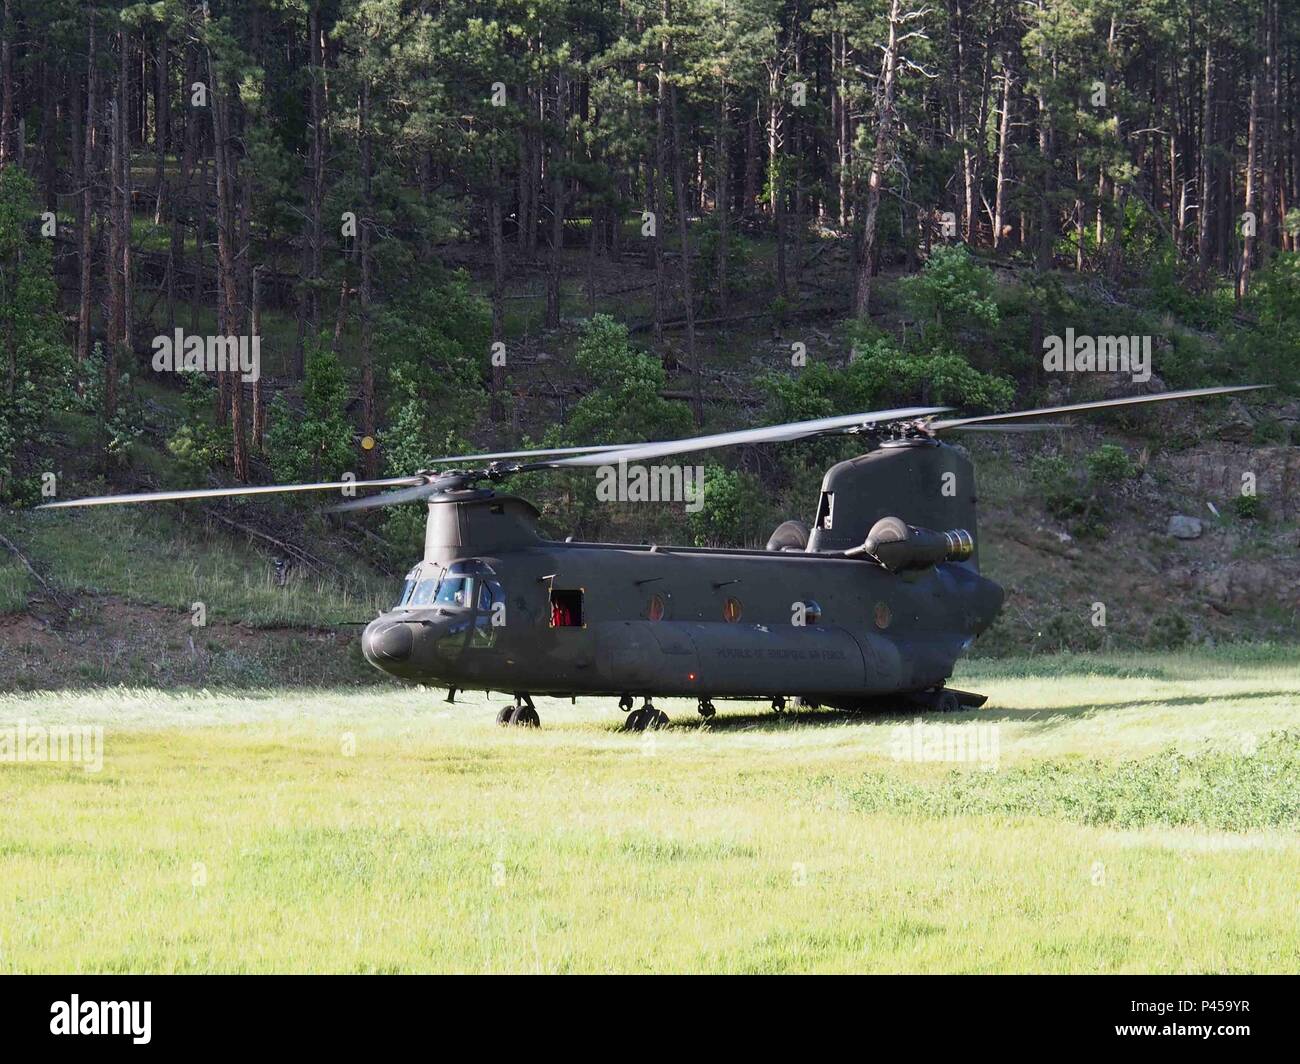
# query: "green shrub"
316,444
1109,465
951,293
1248,507
734,510
1169,631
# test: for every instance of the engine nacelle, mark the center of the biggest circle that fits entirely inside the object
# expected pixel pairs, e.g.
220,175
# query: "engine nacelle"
900,547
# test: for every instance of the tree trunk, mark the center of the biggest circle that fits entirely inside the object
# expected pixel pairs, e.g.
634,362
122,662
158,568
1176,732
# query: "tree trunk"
722,197
557,210
1004,154
364,292
684,236
314,188
87,177
880,155
498,288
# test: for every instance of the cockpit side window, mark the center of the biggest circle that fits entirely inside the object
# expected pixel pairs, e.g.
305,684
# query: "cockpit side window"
412,580
455,591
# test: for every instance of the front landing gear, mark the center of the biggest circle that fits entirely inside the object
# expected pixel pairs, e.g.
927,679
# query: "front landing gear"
522,714
707,709
645,717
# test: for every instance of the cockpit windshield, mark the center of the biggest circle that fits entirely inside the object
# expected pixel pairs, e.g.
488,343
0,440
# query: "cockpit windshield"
457,586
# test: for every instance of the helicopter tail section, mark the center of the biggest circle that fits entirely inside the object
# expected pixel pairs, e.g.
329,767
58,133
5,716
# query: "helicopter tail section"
923,483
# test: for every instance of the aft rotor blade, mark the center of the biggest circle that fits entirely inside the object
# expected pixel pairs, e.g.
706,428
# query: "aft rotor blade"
1132,400
389,498
223,493
1042,427
797,430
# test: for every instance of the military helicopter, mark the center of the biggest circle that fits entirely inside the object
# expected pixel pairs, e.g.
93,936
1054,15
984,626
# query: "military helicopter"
872,605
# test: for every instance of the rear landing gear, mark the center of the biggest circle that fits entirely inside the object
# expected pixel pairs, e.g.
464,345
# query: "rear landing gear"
706,708
522,714
645,717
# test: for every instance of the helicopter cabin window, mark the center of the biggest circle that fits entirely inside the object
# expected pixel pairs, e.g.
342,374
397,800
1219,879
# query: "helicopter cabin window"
826,510
566,608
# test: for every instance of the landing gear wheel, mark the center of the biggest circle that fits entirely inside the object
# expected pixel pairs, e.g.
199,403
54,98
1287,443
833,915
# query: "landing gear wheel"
946,702
625,703
503,718
645,717
778,705
525,717
706,709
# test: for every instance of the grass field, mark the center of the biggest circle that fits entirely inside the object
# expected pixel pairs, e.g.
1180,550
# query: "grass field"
1114,814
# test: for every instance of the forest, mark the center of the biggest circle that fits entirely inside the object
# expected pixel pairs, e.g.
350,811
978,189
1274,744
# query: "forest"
457,226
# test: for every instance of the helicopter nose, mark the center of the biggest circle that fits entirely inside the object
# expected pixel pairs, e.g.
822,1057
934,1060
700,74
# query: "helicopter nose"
386,641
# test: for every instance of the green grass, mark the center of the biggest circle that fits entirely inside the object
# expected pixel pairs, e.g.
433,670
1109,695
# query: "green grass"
153,558
1141,815
15,585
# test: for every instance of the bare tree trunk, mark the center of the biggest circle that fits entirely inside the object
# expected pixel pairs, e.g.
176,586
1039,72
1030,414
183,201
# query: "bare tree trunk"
684,236
498,287
659,206
1204,233
227,276
124,175
6,84
880,155
364,292
553,277
88,201
1250,222
255,330
309,296
161,129
723,199
1004,158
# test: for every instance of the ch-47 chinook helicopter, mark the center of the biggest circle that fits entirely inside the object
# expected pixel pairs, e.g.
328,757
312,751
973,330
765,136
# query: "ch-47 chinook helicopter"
874,603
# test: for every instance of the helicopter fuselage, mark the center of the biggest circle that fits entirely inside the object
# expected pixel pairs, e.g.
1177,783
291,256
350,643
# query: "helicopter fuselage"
594,618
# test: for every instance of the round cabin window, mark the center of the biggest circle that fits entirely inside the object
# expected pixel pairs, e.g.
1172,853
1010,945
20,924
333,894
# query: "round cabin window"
731,610
812,613
657,607
883,615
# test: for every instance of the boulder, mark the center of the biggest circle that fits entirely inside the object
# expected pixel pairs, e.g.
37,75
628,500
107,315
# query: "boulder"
1183,527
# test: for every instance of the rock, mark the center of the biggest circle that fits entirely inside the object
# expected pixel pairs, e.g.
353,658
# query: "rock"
1239,426
1183,527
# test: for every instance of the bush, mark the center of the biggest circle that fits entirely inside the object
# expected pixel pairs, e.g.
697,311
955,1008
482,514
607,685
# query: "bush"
1109,465
316,444
734,512
38,363
1248,507
1169,631
951,293
197,445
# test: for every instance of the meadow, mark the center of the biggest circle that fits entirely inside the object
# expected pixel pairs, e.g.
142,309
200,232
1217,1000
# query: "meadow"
1132,813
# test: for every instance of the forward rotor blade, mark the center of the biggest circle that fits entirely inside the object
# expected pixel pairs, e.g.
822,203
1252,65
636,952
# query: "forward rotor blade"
388,498
529,454
797,430
1132,400
223,493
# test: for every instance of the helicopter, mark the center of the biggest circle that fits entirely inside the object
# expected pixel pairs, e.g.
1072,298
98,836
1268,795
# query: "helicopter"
870,606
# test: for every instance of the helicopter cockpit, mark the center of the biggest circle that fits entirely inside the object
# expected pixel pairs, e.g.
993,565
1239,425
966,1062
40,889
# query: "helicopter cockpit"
460,585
